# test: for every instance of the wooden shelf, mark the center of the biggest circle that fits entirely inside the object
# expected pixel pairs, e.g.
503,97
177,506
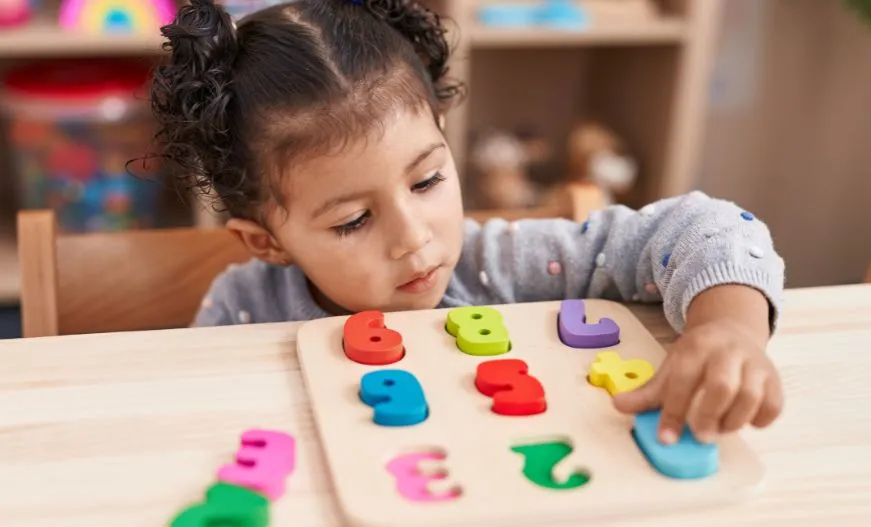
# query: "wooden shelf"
664,31
43,37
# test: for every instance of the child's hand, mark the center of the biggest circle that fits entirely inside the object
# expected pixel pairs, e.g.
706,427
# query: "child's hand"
716,378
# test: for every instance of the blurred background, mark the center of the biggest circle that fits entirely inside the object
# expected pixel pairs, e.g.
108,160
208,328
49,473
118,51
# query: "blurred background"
765,102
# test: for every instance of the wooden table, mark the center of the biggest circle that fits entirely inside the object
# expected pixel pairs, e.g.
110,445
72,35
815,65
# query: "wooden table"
125,429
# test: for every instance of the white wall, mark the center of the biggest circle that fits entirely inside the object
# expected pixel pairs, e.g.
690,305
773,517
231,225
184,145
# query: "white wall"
789,131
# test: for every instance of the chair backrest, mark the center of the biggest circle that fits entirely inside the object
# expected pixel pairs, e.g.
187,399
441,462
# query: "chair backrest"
118,281
154,279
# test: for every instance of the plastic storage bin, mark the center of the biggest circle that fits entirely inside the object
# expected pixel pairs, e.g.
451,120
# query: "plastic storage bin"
15,13
73,125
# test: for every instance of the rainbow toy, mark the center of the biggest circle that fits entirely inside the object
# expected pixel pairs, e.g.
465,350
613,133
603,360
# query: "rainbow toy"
115,16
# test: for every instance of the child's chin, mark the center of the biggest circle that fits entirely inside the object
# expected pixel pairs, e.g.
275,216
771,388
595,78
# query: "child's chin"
430,300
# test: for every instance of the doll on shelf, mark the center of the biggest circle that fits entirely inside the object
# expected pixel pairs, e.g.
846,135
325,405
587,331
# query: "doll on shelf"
501,162
596,155
598,169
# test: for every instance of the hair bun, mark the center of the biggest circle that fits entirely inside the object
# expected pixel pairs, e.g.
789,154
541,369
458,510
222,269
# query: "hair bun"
202,32
423,29
191,94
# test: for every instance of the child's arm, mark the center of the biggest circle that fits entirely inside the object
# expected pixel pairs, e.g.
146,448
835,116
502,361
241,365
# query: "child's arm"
711,264
668,252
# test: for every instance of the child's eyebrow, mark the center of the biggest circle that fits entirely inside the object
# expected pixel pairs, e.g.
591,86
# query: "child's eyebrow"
424,154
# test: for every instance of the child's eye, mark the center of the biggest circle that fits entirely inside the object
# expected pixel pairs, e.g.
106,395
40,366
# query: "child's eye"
353,225
429,183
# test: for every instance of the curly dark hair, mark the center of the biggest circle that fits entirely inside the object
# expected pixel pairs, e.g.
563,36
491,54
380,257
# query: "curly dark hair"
237,105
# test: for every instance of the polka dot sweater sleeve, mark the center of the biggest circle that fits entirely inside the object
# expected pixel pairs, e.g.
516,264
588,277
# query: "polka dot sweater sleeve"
668,252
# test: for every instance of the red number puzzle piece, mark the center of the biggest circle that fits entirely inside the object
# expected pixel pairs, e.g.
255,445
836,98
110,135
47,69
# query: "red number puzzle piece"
513,390
368,341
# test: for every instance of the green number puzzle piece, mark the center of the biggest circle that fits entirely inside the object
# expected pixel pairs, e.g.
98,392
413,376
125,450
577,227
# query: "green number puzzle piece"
479,330
226,506
540,460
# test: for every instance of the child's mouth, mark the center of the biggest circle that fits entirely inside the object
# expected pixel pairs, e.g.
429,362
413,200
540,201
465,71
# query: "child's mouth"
422,283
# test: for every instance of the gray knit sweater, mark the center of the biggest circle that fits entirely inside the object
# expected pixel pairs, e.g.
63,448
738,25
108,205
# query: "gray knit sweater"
668,252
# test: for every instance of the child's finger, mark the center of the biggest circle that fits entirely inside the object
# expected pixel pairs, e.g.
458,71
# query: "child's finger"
644,398
772,403
685,375
748,399
721,383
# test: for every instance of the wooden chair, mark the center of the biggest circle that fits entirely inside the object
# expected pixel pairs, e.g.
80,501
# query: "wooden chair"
868,276
118,281
147,279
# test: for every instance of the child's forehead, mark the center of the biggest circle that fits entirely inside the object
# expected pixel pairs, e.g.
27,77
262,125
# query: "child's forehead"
386,152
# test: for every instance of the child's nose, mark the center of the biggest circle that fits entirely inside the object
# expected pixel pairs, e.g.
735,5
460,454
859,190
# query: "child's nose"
413,235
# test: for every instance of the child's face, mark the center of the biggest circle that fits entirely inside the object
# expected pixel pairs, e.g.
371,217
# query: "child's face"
378,225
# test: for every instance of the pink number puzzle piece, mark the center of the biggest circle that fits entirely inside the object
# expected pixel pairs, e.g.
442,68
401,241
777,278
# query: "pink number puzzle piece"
263,462
412,483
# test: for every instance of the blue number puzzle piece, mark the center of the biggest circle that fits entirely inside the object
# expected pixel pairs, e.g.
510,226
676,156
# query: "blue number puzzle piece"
686,459
396,396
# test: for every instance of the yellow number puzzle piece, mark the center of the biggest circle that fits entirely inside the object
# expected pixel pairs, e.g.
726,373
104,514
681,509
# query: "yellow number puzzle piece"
616,375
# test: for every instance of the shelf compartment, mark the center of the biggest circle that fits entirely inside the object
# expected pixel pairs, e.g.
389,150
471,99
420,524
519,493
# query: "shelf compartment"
665,31
42,37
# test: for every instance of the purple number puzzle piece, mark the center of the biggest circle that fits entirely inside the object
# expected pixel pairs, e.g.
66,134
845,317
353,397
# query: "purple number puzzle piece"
576,333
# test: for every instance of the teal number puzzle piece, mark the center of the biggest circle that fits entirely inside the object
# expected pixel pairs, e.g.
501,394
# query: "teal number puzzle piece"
685,459
396,396
226,504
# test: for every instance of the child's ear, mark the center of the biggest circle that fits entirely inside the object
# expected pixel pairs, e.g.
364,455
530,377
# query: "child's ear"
259,242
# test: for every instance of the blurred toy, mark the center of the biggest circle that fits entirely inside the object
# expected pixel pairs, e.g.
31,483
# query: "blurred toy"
115,16
597,155
862,8
240,8
501,161
72,125
598,168
550,13
16,12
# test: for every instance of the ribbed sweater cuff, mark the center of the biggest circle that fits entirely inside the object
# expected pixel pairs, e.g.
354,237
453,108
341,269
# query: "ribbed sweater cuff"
768,283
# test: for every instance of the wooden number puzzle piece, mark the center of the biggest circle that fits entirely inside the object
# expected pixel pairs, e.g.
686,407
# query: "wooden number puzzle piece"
368,341
479,330
616,375
263,462
686,459
540,460
413,482
574,331
226,504
513,390
396,396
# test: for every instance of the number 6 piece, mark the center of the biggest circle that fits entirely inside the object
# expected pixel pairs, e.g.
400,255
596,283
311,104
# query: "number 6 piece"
502,415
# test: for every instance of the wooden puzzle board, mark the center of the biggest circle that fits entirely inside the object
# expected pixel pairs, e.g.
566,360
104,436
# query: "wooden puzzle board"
477,442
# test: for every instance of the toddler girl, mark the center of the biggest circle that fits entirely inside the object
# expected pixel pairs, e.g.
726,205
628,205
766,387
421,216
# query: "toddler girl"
318,124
